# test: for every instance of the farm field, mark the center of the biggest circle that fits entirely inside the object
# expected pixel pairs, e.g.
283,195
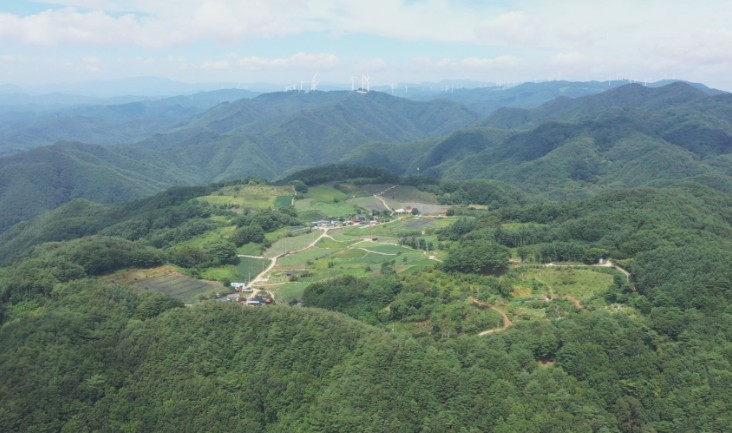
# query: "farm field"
291,243
315,209
246,269
167,280
344,252
251,196
354,250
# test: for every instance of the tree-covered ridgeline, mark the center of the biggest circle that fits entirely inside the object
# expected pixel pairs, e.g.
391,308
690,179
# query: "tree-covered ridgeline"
397,351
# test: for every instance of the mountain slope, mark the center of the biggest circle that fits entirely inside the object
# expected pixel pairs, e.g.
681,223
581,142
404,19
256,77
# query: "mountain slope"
47,177
624,137
264,137
628,97
22,128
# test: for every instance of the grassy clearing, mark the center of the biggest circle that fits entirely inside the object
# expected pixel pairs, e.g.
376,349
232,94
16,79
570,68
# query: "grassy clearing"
325,193
208,237
283,202
249,196
220,273
290,291
250,249
581,283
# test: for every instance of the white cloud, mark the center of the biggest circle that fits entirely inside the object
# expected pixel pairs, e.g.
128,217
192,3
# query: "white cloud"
67,26
216,65
491,64
511,28
311,61
649,37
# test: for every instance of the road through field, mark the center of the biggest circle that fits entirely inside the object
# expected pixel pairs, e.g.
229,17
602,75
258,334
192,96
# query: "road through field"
260,278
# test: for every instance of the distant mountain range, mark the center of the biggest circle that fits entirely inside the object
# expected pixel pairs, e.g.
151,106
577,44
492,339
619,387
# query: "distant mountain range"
35,121
628,135
264,136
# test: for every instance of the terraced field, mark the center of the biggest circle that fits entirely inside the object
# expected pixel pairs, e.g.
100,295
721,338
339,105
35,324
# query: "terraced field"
167,280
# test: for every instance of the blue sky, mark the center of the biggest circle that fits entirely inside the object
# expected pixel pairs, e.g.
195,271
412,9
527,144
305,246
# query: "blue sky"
286,41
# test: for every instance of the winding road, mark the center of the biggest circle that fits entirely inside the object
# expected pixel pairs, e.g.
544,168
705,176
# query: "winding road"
506,321
260,278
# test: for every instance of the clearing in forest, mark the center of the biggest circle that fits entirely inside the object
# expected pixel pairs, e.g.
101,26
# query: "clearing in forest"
166,280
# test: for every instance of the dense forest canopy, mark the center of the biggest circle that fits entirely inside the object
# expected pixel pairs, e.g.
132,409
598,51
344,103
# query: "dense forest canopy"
463,298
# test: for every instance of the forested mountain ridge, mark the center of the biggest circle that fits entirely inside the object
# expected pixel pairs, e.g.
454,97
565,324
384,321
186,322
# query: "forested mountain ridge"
25,127
264,136
47,177
628,136
627,97
589,349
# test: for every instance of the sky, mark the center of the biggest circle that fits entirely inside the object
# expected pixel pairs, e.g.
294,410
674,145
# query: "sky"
391,41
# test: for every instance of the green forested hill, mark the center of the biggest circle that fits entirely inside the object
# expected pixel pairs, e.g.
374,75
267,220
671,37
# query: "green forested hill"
48,177
23,127
629,97
627,136
399,350
264,136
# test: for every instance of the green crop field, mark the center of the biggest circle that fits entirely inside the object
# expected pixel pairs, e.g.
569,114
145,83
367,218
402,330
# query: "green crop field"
250,267
318,210
325,193
287,244
251,196
283,202
302,258
288,292
392,250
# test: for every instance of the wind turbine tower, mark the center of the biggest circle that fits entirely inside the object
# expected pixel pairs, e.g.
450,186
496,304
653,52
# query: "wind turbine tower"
314,83
353,83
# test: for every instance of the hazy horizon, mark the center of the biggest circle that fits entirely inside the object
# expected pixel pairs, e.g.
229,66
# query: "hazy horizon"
283,41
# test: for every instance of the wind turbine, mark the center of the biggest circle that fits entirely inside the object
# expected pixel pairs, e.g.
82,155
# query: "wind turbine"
353,83
314,83
367,79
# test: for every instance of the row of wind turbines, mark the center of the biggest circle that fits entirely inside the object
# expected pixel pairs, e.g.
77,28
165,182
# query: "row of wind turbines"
365,86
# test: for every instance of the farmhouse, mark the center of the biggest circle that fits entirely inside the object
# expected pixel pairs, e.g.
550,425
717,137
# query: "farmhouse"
240,287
